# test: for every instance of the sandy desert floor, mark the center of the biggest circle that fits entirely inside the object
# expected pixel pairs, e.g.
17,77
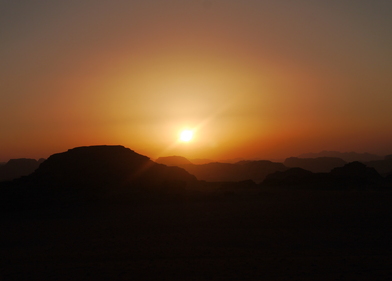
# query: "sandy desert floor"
260,235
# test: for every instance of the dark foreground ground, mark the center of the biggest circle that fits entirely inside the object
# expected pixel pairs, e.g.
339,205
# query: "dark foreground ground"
248,235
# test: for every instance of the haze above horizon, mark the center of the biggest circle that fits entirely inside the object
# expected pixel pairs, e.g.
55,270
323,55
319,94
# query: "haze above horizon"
250,79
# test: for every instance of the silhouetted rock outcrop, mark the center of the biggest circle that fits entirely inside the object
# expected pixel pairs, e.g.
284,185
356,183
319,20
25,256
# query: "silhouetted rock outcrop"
357,173
382,166
200,161
351,175
173,161
214,171
389,177
293,176
315,165
346,156
258,170
16,168
240,171
98,171
225,186
106,165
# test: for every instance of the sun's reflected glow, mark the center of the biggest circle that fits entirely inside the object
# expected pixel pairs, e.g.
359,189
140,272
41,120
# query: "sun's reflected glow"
186,135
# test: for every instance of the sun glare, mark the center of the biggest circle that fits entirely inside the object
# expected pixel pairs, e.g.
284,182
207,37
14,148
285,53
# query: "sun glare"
186,135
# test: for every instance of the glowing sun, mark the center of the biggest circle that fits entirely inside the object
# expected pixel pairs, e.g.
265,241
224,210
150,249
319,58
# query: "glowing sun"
186,135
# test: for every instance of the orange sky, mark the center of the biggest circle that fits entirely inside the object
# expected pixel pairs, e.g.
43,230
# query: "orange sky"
255,79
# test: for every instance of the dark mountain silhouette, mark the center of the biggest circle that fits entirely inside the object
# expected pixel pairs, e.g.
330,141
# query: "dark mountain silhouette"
353,175
293,176
297,177
200,161
357,172
382,166
173,161
346,156
315,165
16,168
107,213
180,160
106,165
240,171
85,173
215,172
389,177
258,170
232,161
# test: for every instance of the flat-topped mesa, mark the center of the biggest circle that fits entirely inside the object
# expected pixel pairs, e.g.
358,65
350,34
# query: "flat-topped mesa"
105,166
86,174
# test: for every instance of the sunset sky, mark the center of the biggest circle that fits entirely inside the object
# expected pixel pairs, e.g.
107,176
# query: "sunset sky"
251,78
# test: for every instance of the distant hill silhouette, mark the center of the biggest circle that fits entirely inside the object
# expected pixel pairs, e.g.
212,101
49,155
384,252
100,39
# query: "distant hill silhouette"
346,156
384,167
258,170
354,175
315,165
16,168
357,172
240,171
180,160
231,161
292,176
200,161
97,171
173,161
